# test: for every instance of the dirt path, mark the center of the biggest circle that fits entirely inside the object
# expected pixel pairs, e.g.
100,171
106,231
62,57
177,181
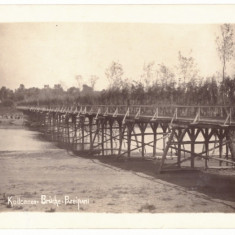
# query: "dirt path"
100,186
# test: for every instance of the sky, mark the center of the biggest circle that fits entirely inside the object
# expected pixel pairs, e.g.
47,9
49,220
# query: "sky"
38,54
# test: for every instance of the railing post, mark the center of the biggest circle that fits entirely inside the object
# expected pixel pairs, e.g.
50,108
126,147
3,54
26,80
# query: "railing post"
199,113
127,114
155,116
230,115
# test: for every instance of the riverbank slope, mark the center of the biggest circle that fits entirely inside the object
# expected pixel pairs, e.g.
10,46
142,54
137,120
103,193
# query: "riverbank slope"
105,185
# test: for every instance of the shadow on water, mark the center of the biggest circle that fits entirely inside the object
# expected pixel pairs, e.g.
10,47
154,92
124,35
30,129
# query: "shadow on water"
214,185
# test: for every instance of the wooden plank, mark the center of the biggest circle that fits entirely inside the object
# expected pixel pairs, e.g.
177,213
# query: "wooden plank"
197,142
165,151
222,167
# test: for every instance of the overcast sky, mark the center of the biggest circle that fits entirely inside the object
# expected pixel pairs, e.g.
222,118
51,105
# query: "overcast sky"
49,53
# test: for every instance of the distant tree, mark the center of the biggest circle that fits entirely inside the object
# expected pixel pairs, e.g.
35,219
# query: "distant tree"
93,79
166,75
58,87
20,93
3,93
79,80
214,91
86,90
149,74
63,85
137,93
73,90
229,90
22,87
114,74
225,46
57,93
187,70
8,103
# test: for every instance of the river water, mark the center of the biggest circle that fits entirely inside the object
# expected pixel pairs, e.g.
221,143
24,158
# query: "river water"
22,140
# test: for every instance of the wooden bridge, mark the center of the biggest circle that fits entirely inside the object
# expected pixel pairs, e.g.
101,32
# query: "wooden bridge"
174,137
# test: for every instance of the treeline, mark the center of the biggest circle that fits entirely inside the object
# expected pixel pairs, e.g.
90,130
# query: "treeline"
46,96
209,92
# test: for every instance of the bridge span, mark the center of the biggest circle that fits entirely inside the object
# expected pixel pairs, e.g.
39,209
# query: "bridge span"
173,137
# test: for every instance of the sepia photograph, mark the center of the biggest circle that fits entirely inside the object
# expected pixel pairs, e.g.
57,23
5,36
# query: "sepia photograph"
117,116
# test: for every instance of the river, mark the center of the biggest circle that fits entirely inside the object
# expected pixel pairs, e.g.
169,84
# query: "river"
21,139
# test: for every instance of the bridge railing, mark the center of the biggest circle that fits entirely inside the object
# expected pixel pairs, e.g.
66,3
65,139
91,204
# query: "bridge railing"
194,113
222,114
204,113
133,110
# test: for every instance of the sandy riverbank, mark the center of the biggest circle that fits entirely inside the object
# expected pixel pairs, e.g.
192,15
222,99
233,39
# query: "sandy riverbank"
109,186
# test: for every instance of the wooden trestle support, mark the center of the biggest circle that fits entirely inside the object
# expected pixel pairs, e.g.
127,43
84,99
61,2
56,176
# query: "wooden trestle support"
169,136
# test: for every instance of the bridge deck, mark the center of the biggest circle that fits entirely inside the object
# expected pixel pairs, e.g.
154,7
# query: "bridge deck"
204,115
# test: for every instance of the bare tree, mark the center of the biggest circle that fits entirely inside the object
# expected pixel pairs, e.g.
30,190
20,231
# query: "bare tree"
93,79
187,70
63,85
165,75
79,80
114,73
149,74
225,46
